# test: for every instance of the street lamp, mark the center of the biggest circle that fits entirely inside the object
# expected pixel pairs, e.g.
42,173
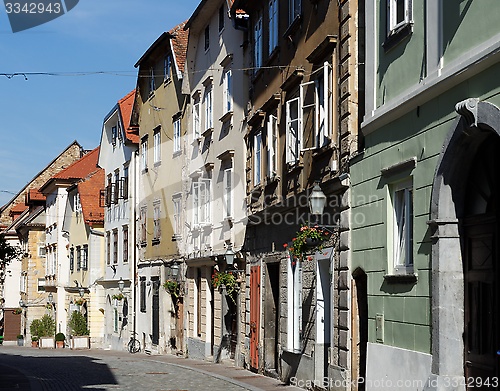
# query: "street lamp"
229,256
175,269
21,303
317,200
121,285
50,298
81,292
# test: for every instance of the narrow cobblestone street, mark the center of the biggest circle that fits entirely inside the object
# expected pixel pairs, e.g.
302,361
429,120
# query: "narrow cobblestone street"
26,368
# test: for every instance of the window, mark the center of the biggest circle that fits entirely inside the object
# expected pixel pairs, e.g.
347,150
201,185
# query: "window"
125,244
402,227
142,233
142,303
177,135
294,10
201,201
228,91
156,221
115,320
157,146
272,145
71,259
115,247
177,215
399,14
207,38
151,81
273,25
209,116
167,68
78,204
257,162
294,304
257,39
42,252
221,19
228,192
108,248
124,189
109,190
114,134
78,258
196,119
85,257
116,186
23,282
41,285
144,154
293,134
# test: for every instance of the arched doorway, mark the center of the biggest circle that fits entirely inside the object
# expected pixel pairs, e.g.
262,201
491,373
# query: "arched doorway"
480,227
464,230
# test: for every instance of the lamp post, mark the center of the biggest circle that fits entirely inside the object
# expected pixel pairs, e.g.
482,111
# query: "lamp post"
317,200
175,270
229,256
81,292
50,301
121,285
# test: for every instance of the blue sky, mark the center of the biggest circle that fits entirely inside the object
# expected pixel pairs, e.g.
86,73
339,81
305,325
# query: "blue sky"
41,116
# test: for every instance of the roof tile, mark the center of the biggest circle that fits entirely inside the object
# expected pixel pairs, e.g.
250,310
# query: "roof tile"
82,168
89,190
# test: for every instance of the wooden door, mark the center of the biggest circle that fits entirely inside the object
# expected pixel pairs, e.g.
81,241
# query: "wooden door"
155,329
481,299
254,316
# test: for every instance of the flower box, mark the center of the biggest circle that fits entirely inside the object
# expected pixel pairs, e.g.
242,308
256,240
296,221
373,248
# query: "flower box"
80,342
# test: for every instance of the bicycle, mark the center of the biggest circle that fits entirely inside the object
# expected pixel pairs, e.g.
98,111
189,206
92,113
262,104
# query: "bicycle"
134,346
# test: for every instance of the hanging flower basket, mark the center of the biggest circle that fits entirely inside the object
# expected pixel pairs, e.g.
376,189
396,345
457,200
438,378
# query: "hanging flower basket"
172,287
307,239
118,297
79,302
227,279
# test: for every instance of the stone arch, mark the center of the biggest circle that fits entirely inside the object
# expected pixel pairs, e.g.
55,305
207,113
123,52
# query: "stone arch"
476,122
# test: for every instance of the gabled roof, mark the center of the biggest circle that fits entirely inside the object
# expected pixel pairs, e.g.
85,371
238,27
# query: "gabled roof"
17,209
80,169
34,195
89,190
125,106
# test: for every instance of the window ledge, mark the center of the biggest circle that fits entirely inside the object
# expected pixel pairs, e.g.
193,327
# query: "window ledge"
177,153
226,117
294,26
167,81
404,278
207,132
397,35
143,244
196,140
155,242
272,180
292,167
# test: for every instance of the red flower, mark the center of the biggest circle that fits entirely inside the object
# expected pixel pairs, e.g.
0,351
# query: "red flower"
294,239
309,258
285,245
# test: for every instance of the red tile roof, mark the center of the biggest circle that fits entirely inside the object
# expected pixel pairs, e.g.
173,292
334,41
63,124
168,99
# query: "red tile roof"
179,44
89,190
126,105
18,209
82,168
35,195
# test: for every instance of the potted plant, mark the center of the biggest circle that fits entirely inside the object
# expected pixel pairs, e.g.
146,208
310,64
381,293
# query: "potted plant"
80,333
60,337
17,311
228,280
307,239
172,287
119,296
20,340
45,332
34,341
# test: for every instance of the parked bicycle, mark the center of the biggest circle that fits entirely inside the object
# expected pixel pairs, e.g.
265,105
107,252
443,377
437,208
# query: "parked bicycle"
134,346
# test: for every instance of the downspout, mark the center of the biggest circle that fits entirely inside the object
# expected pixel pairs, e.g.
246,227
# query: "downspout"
134,228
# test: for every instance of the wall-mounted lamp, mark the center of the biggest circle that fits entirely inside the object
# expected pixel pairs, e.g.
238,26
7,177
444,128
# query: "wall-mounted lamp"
174,267
229,256
22,304
50,298
81,291
121,284
317,200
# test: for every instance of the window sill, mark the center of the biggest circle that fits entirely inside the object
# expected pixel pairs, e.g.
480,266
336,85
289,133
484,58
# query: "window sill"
272,180
293,167
196,140
403,278
167,81
143,244
155,242
397,35
176,154
294,26
207,132
157,164
176,238
226,117
144,170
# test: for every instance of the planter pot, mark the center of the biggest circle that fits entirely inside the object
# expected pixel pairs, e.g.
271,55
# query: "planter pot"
80,342
59,344
311,243
20,342
46,343
34,344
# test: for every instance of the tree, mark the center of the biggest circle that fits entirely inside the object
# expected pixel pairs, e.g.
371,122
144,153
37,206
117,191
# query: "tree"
78,324
7,252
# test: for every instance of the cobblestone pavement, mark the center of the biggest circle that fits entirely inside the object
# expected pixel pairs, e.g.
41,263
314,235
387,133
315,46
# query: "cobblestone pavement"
25,368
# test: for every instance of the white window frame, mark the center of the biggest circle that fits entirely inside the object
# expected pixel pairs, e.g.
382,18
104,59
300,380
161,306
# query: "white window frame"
228,91
294,304
177,135
293,140
78,204
258,40
201,201
177,202
209,112
144,154
228,192
196,119
393,9
157,220
401,227
157,146
85,257
257,162
272,146
273,25
142,226
114,135
167,68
